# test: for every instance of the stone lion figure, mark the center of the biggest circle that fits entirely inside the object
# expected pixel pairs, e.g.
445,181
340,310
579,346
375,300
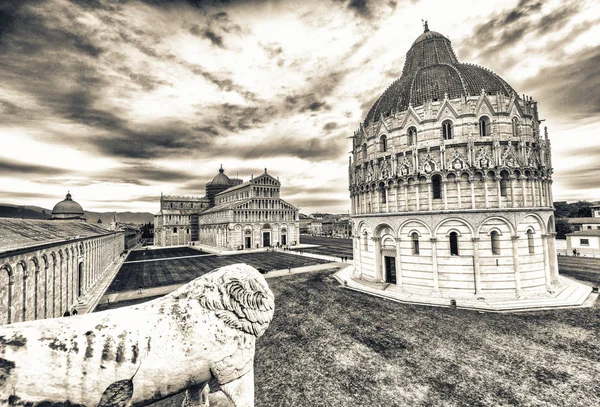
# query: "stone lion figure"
137,355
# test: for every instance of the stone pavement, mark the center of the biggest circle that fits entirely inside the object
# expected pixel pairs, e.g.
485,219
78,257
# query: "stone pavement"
156,291
89,300
572,294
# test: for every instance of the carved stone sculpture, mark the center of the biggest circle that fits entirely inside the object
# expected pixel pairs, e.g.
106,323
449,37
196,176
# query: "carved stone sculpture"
140,354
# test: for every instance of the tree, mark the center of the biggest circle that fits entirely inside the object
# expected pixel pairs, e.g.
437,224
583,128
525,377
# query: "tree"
147,231
563,228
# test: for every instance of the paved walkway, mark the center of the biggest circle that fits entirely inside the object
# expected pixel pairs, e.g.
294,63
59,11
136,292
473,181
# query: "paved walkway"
168,258
156,291
572,294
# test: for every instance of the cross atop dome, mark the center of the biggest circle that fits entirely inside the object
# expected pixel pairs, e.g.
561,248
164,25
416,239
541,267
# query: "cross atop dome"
221,170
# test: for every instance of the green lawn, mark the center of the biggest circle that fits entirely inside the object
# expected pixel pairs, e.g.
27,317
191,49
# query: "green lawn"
328,346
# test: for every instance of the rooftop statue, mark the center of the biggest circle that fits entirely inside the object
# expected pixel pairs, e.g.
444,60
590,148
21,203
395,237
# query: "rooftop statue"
137,355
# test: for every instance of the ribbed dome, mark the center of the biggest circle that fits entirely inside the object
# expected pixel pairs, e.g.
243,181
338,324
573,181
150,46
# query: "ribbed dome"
431,71
221,178
67,207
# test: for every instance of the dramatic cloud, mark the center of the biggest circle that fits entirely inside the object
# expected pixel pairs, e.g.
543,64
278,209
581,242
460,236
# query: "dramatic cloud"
122,100
27,170
570,88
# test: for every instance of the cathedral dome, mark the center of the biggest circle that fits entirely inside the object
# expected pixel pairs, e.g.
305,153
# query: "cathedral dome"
67,209
221,178
432,72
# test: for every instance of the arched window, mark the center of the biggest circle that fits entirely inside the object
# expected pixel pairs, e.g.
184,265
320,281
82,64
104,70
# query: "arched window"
503,183
436,186
187,231
530,242
174,230
515,127
411,136
495,238
383,143
454,244
383,193
484,126
363,149
366,240
447,129
415,243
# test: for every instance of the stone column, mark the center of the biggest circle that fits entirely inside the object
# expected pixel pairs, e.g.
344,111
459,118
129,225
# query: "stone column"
398,263
458,182
360,249
436,282
405,183
546,263
533,195
485,188
476,266
387,198
512,192
417,194
553,259
445,184
472,182
515,253
499,191
430,199
397,195
377,257
523,190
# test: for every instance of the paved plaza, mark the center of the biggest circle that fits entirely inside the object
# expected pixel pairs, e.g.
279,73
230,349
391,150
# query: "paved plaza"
330,246
147,254
179,265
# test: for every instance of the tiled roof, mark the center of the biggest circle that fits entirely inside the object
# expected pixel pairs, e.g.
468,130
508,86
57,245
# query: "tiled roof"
430,71
22,233
225,206
585,232
581,221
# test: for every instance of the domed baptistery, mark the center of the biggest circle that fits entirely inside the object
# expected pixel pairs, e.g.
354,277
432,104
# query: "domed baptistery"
450,182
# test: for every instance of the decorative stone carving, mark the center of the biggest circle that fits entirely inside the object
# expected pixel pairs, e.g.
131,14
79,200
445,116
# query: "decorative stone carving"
510,158
140,354
429,164
370,172
483,159
457,161
385,171
359,176
404,167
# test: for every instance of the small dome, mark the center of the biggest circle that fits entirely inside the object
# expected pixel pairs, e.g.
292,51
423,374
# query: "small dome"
67,208
221,178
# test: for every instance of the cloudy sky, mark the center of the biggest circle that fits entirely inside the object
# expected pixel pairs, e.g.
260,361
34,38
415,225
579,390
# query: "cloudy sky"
118,101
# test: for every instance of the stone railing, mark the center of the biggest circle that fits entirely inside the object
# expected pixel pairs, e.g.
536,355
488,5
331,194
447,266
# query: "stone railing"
140,354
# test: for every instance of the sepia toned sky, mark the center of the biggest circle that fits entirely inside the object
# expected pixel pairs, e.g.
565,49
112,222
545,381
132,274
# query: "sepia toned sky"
118,101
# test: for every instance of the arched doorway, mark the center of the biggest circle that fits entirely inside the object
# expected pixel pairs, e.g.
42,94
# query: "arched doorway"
266,235
283,237
248,238
80,279
388,257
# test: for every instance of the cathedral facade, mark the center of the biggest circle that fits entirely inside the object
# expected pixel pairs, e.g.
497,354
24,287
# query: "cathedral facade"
233,215
450,183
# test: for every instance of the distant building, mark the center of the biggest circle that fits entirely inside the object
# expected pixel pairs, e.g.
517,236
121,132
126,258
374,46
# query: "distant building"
586,237
233,215
593,223
47,266
305,222
68,209
586,242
